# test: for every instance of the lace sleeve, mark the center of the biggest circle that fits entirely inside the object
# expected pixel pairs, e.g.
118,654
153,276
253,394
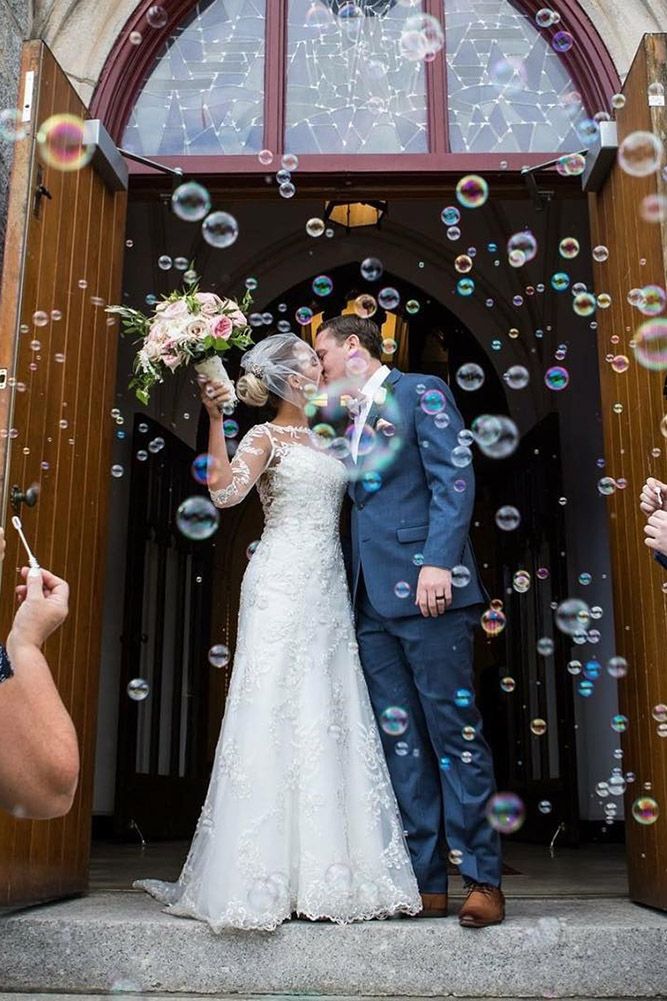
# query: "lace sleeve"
249,462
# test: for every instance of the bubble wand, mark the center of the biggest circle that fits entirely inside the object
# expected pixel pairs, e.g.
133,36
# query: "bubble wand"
32,560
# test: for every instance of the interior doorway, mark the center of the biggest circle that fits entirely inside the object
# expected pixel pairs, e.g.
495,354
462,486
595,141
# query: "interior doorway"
511,319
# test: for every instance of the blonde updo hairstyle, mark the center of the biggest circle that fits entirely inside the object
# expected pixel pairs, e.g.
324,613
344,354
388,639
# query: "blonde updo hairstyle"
251,390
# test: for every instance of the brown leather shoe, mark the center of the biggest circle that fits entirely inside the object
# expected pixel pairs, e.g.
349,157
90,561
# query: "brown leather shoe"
484,905
434,905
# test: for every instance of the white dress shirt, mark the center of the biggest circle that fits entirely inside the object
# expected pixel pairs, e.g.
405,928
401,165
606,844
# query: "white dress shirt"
368,391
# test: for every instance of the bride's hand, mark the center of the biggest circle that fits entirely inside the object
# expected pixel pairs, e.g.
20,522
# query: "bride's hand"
215,394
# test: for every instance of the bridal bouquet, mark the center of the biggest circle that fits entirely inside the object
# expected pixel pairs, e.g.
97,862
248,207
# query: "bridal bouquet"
186,328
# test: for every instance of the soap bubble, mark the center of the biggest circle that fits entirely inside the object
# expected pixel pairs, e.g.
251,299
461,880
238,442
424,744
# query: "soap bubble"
493,621
472,191
600,254
545,18
460,576
517,377
496,435
645,810
650,344
218,655
461,456
402,589
287,190
641,154
394,720
538,727
205,468
659,713
315,227
572,164
220,229
138,689
470,377
40,318
618,101
509,74
521,581
455,856
573,617
507,684
524,243
450,215
12,128
653,300
197,518
157,16
465,287
191,201
365,306
60,141
412,307
164,262
544,806
653,208
562,41
569,247
560,281
303,315
421,38
508,518
388,298
606,486
619,723
463,264
557,378
265,157
322,285
584,304
617,667
453,233
432,401
505,812
289,161
371,269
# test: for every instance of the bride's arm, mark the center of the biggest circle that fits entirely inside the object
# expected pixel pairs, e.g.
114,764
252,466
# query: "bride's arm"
231,481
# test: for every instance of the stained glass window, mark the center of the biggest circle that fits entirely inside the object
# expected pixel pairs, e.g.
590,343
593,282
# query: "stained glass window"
205,93
509,91
349,90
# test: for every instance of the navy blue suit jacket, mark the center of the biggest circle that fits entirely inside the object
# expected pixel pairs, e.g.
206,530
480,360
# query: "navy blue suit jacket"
417,512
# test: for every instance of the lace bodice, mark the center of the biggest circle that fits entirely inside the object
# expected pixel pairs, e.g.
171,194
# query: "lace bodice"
299,485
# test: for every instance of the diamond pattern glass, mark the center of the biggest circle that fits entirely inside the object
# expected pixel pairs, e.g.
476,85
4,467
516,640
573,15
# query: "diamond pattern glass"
205,93
349,90
509,91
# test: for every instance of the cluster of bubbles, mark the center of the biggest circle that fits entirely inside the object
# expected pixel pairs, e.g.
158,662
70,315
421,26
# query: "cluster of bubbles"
192,202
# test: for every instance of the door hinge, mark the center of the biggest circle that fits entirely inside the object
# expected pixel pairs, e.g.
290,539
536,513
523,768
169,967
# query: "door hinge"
3,378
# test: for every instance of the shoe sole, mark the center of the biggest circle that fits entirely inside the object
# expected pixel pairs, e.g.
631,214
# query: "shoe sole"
485,924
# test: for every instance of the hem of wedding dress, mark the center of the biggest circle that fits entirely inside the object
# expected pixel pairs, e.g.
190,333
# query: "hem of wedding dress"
178,909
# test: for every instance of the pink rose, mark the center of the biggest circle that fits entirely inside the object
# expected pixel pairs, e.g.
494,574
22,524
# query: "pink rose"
223,328
196,330
238,318
172,361
208,297
171,310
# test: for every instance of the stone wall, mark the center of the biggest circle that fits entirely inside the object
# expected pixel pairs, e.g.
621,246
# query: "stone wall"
15,26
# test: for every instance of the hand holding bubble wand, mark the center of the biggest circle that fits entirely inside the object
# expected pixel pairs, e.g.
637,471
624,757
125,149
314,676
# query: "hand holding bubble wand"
32,560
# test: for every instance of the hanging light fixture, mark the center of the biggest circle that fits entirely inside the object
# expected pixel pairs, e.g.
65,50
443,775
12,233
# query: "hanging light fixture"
352,215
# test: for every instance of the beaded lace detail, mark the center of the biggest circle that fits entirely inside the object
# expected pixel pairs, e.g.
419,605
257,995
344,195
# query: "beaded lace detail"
300,815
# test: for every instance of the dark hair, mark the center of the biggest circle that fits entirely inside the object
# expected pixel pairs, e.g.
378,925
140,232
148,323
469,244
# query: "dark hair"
342,327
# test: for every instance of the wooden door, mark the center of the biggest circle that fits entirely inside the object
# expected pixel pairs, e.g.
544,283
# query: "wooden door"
633,406
63,255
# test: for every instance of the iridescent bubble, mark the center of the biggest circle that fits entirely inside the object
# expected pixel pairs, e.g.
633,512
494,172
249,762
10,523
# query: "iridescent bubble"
455,856
463,264
573,617
394,720
205,468
562,41
157,16
218,655
517,377
402,589
502,438
450,215
585,688
472,191
600,254
557,378
538,727
604,300
117,471
505,812
421,38
389,346
371,269
287,190
574,667
493,621
569,247
641,154
617,667
573,164
265,157
460,576
40,318
650,344
365,306
653,208
303,315
164,262
412,307
560,282
620,363
645,810
653,300
388,298
525,243
289,161
470,377
509,74
12,127
461,456
197,518
463,698
606,486
322,285
465,287
521,581
507,684
315,227
60,141
585,579
659,713
220,229
544,806
138,689
191,201
468,732
619,723
618,101
432,401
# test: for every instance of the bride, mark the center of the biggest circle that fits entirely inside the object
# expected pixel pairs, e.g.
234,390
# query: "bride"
300,819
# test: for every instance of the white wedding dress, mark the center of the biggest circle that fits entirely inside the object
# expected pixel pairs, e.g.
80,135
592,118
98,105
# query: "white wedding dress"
300,816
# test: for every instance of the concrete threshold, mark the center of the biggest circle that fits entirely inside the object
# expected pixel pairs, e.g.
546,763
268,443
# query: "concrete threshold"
122,943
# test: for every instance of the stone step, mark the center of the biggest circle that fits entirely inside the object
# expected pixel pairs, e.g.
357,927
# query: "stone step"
116,942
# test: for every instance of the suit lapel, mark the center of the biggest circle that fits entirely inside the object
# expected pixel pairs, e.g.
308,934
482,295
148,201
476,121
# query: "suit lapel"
373,417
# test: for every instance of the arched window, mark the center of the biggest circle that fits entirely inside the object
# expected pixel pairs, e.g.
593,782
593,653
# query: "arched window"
343,80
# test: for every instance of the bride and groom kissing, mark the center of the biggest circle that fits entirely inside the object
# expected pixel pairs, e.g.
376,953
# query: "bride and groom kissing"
341,768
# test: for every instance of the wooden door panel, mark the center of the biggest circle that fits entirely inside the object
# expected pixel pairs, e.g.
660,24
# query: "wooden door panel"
631,435
66,257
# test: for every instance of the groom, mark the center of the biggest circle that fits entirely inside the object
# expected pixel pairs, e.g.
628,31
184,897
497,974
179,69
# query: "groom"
417,651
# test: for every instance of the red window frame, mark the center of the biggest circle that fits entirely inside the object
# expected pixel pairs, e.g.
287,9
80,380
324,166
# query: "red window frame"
127,66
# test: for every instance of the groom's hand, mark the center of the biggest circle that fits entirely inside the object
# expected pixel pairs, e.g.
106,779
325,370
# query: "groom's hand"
434,591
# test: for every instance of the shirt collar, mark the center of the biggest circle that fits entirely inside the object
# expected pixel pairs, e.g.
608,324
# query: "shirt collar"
371,386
